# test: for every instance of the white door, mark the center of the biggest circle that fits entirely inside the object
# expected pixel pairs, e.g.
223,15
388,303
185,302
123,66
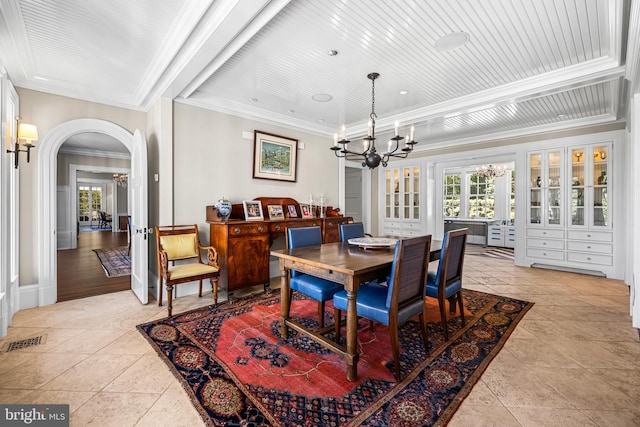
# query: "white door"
353,193
139,220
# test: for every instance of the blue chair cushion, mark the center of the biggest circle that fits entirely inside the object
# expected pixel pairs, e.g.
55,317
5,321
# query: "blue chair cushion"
315,287
371,302
432,286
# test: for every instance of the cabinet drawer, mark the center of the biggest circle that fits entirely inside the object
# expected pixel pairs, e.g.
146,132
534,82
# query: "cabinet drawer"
598,236
590,258
247,229
602,248
495,230
494,240
511,231
545,232
545,254
545,244
277,227
411,226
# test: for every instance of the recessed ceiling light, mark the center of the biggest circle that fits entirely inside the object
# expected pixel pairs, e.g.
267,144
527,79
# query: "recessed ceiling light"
322,97
253,99
451,41
291,111
404,92
332,52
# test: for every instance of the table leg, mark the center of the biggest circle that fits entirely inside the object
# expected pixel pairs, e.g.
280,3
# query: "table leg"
285,302
352,337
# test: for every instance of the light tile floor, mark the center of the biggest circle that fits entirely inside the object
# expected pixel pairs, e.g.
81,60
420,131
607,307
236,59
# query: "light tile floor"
574,360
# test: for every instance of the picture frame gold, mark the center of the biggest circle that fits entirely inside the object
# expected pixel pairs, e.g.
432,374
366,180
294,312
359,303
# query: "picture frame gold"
275,157
252,210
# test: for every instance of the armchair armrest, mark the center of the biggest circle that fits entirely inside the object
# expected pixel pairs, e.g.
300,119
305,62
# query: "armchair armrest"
212,255
164,264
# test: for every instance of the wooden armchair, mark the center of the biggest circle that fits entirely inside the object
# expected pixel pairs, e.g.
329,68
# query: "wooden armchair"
181,243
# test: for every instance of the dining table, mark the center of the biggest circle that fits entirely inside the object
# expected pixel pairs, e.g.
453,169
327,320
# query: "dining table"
348,264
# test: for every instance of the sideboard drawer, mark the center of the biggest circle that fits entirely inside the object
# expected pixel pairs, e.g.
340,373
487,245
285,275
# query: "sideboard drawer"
248,229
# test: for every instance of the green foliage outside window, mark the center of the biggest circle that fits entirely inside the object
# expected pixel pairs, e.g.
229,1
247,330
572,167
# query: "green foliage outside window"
481,197
451,195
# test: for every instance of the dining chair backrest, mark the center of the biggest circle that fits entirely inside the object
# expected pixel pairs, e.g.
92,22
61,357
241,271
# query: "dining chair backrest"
452,256
351,231
299,237
408,272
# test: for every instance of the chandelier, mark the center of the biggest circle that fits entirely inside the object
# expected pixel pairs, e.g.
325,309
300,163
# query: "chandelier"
491,171
370,155
120,179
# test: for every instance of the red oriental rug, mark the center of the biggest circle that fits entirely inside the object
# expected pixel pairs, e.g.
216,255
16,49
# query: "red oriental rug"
237,369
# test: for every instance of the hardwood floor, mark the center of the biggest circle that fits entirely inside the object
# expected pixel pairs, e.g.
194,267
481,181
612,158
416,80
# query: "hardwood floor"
80,274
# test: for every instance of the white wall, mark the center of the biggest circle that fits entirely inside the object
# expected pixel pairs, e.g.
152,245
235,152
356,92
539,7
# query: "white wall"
213,159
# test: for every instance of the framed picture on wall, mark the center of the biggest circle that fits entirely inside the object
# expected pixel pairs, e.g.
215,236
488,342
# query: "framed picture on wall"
274,157
275,212
252,210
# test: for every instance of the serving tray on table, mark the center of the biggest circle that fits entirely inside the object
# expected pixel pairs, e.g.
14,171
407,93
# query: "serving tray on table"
373,242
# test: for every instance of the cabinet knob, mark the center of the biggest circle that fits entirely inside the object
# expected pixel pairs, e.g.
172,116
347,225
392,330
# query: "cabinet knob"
236,230
544,232
261,229
588,258
278,227
544,253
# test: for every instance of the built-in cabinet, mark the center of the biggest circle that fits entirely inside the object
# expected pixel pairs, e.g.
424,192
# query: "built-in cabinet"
501,235
402,210
569,207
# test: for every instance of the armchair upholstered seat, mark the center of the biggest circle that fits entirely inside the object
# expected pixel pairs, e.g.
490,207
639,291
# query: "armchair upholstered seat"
401,300
177,244
316,288
446,282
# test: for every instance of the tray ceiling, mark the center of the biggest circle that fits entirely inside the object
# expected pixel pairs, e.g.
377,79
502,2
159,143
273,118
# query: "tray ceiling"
528,65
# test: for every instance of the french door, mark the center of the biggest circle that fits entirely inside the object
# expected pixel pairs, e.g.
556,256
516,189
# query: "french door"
90,201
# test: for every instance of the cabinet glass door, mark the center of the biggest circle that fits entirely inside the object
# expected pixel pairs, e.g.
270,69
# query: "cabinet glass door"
535,182
554,200
600,186
416,192
577,186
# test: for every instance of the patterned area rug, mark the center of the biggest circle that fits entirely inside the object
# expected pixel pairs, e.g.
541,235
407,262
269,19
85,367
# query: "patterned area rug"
95,228
238,371
115,261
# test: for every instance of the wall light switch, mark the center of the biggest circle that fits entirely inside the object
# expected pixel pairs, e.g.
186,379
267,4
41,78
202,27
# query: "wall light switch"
301,145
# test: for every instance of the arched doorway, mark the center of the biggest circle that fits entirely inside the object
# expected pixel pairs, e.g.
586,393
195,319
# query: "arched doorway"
47,170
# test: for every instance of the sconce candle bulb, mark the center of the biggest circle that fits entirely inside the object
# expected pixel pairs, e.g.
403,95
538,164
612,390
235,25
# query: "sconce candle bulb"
28,133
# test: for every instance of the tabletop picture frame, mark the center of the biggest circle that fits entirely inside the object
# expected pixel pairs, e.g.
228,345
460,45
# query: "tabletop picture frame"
293,212
275,212
305,211
275,157
252,210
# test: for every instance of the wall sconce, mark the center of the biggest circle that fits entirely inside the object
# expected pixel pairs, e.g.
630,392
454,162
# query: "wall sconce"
27,132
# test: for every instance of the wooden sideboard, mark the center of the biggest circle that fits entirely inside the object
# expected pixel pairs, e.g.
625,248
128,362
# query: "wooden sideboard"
244,246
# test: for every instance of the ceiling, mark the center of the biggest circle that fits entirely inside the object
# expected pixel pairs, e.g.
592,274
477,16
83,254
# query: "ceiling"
528,65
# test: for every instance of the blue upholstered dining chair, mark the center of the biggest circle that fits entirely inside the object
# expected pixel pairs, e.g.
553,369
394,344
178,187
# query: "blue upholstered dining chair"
314,287
446,282
401,299
351,231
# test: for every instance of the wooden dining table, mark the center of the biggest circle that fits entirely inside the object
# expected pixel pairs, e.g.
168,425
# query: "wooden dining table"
349,265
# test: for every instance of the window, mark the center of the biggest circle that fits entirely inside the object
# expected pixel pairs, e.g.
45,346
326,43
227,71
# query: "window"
451,195
481,197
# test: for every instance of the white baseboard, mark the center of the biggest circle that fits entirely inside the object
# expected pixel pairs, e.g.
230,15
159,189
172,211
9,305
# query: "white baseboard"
28,296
